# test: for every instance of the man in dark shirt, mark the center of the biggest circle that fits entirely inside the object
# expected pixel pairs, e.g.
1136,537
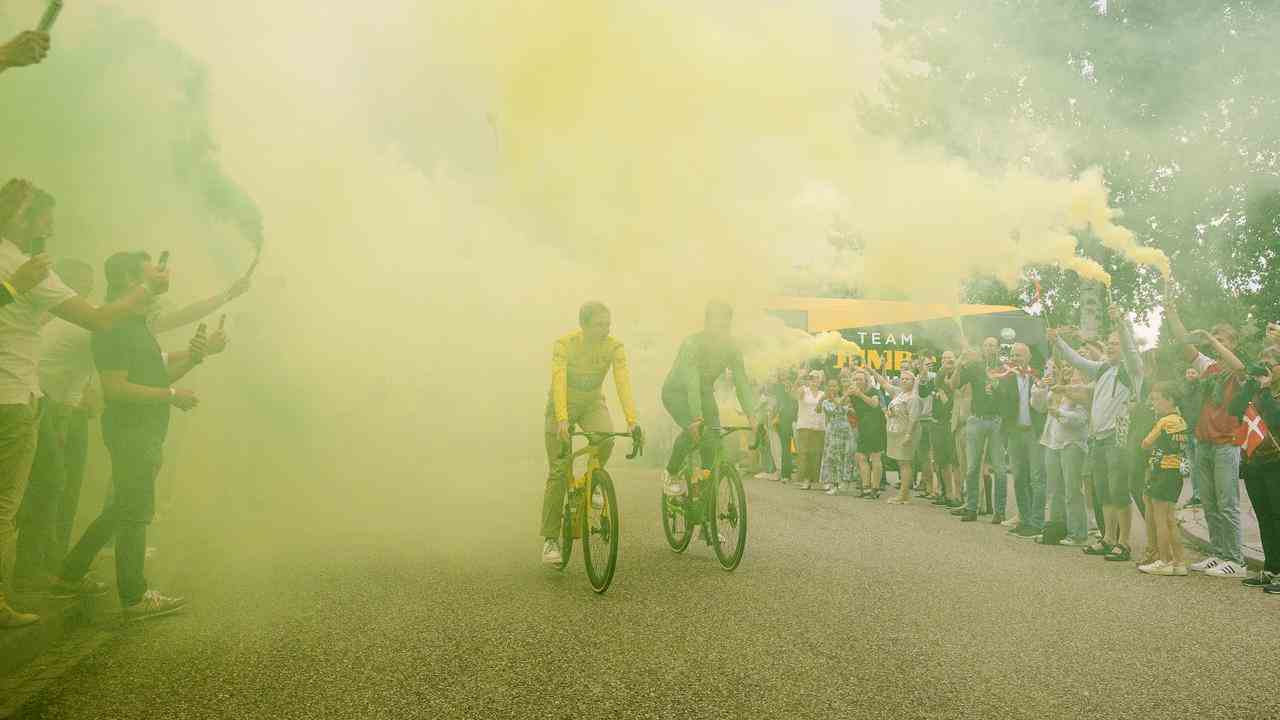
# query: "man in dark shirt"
985,429
136,383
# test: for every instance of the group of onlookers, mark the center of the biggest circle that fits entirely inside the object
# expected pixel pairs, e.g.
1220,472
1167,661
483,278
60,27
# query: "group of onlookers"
1087,433
63,361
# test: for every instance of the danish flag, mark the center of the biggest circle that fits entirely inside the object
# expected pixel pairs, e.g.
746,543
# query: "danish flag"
1253,431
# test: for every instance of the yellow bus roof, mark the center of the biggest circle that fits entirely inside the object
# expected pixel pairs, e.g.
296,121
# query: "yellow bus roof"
840,313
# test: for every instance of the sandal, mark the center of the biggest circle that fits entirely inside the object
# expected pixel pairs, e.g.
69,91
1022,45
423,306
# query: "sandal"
1118,553
1099,548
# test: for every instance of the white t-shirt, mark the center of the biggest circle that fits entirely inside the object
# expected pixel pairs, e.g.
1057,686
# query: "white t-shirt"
20,324
66,362
809,417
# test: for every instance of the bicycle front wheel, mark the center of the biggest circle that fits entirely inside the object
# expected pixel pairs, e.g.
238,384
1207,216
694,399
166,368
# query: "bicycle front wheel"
600,531
729,518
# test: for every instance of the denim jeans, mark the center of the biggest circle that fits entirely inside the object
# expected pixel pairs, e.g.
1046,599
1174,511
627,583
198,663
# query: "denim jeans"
1219,468
135,461
1195,474
988,431
1065,490
1027,456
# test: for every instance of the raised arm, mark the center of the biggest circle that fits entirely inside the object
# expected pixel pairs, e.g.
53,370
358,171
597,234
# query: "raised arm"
200,309
1091,368
1128,347
1228,358
1180,333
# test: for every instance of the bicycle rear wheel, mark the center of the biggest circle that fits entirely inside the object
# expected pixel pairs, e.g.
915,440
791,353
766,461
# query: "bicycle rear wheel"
675,522
566,528
729,518
600,531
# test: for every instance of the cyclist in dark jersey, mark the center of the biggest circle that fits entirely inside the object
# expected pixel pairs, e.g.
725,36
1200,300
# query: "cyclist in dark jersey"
689,391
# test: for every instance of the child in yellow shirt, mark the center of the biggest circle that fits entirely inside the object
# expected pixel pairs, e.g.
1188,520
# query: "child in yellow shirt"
1167,442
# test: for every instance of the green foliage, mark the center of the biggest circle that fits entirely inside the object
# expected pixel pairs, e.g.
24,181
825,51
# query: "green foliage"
1176,102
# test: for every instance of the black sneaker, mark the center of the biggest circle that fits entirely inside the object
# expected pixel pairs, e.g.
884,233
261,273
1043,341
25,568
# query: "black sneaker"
1026,532
961,512
1272,589
955,503
997,519
968,517
1261,580
1013,530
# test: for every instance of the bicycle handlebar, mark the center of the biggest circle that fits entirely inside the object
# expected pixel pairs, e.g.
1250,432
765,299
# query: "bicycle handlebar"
727,430
595,438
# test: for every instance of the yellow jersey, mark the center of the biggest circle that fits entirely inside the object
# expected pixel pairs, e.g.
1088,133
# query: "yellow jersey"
579,367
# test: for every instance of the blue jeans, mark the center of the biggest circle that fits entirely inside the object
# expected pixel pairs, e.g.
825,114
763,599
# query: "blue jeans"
1066,490
987,431
1027,456
1219,469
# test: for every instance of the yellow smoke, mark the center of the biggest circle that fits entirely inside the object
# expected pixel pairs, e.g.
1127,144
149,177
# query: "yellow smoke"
1090,205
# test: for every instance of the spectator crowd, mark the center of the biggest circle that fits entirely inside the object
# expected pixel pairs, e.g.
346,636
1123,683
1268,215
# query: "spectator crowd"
1092,438
65,360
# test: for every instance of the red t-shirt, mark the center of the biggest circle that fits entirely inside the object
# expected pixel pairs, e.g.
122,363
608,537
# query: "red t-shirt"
1215,425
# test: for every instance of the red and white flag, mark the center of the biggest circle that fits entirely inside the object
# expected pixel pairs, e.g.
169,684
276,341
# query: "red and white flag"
1253,431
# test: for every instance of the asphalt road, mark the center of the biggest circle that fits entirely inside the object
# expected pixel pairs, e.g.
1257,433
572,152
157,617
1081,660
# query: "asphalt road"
841,609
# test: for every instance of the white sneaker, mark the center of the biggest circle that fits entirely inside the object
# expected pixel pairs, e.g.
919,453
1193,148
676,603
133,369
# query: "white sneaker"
804,486
551,552
1151,567
833,490
827,487
1205,565
152,604
1226,569
1068,542
1171,570
1011,522
895,500
672,487
761,476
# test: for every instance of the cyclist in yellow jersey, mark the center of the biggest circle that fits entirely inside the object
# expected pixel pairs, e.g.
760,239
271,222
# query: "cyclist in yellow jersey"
579,363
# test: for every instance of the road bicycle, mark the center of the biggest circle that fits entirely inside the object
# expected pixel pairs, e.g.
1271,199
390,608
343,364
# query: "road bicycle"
713,500
591,508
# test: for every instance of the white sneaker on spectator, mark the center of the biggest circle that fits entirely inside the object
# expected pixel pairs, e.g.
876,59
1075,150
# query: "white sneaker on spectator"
672,486
551,552
833,490
1205,565
1011,522
827,486
1151,567
152,604
804,486
1226,569
1171,570
761,476
1068,542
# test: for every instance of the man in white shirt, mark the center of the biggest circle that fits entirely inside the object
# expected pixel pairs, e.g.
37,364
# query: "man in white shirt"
23,236
66,367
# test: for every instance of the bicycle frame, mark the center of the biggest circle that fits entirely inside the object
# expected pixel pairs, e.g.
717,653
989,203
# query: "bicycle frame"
582,483
697,510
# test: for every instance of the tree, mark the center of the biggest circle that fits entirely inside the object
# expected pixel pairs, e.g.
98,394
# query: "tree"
1175,101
